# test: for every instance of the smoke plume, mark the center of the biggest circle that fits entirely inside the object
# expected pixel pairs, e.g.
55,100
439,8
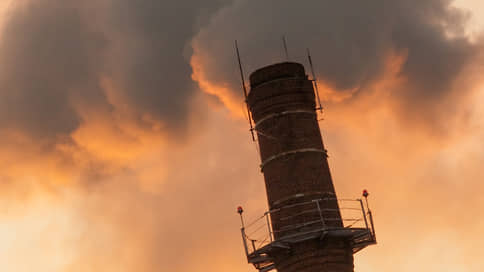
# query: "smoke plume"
419,46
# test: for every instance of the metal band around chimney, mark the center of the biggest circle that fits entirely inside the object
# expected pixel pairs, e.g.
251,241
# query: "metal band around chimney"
283,154
295,196
270,116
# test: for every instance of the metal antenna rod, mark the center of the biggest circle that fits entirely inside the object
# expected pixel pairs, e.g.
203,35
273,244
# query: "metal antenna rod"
371,219
245,91
320,107
284,42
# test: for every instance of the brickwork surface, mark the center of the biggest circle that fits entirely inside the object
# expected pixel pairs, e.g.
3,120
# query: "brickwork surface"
317,256
295,165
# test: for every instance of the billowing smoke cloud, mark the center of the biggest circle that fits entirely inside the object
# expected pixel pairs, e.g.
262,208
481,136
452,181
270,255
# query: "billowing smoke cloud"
57,54
48,54
150,57
92,84
420,46
67,66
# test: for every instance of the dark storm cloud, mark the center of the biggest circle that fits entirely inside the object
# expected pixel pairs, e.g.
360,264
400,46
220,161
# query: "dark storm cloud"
351,42
55,53
437,48
152,60
46,54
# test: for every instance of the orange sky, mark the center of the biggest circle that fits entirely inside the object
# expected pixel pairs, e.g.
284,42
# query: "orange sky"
168,203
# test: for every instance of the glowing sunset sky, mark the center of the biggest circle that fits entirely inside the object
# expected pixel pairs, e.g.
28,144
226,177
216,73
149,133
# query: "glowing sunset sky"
123,143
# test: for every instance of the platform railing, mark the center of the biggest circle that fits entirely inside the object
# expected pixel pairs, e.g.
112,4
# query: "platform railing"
259,233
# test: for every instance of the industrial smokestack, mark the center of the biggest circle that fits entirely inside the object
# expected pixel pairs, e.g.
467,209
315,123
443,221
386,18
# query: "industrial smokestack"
306,230
294,160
